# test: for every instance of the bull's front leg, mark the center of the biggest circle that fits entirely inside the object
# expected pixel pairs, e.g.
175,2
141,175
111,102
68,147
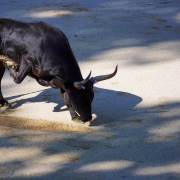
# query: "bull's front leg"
75,117
73,114
3,102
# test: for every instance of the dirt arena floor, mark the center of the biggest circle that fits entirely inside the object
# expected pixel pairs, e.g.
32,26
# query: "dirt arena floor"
135,131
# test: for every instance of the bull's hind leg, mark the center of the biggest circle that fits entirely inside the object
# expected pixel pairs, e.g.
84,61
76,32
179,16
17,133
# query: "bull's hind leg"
3,102
23,71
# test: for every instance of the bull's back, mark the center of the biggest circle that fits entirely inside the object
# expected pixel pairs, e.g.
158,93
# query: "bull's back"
24,33
37,38
45,45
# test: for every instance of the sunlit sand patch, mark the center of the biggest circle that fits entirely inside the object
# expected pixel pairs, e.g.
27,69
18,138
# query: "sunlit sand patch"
159,138
41,125
107,165
155,170
50,13
18,153
39,166
163,98
55,11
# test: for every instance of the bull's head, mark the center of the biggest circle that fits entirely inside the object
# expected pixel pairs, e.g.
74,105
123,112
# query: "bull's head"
80,95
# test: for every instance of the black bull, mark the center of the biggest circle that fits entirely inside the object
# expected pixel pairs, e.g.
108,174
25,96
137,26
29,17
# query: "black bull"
42,51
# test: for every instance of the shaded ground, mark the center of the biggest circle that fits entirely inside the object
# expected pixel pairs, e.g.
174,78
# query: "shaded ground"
144,146
135,134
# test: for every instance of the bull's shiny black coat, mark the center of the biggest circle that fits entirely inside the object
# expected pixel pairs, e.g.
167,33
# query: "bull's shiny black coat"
42,51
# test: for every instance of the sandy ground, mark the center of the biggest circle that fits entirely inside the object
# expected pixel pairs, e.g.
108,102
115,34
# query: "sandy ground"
136,128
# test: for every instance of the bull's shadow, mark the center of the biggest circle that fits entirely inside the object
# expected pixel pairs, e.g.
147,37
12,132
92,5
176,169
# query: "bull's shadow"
108,105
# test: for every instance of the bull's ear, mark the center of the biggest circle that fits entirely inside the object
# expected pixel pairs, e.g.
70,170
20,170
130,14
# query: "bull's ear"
68,86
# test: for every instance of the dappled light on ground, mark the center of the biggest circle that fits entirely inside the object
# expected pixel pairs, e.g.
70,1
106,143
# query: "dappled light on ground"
135,132
50,14
107,166
114,149
159,170
167,129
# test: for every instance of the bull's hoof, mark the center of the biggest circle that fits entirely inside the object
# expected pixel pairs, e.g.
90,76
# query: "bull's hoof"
4,103
86,120
78,120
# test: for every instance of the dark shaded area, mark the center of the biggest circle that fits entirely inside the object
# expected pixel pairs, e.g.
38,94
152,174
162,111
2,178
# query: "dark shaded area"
108,105
121,142
47,95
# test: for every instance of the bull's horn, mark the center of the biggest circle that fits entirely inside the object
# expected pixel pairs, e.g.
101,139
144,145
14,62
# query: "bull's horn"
104,77
79,84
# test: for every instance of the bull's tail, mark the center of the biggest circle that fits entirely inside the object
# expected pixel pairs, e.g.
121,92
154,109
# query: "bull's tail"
8,63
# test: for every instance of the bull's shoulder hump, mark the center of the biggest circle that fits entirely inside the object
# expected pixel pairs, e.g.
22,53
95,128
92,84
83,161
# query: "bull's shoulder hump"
47,28
38,25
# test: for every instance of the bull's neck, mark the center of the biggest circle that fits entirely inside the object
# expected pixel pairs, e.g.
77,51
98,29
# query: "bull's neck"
73,75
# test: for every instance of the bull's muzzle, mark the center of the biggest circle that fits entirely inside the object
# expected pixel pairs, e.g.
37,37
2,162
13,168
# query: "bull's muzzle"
86,119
